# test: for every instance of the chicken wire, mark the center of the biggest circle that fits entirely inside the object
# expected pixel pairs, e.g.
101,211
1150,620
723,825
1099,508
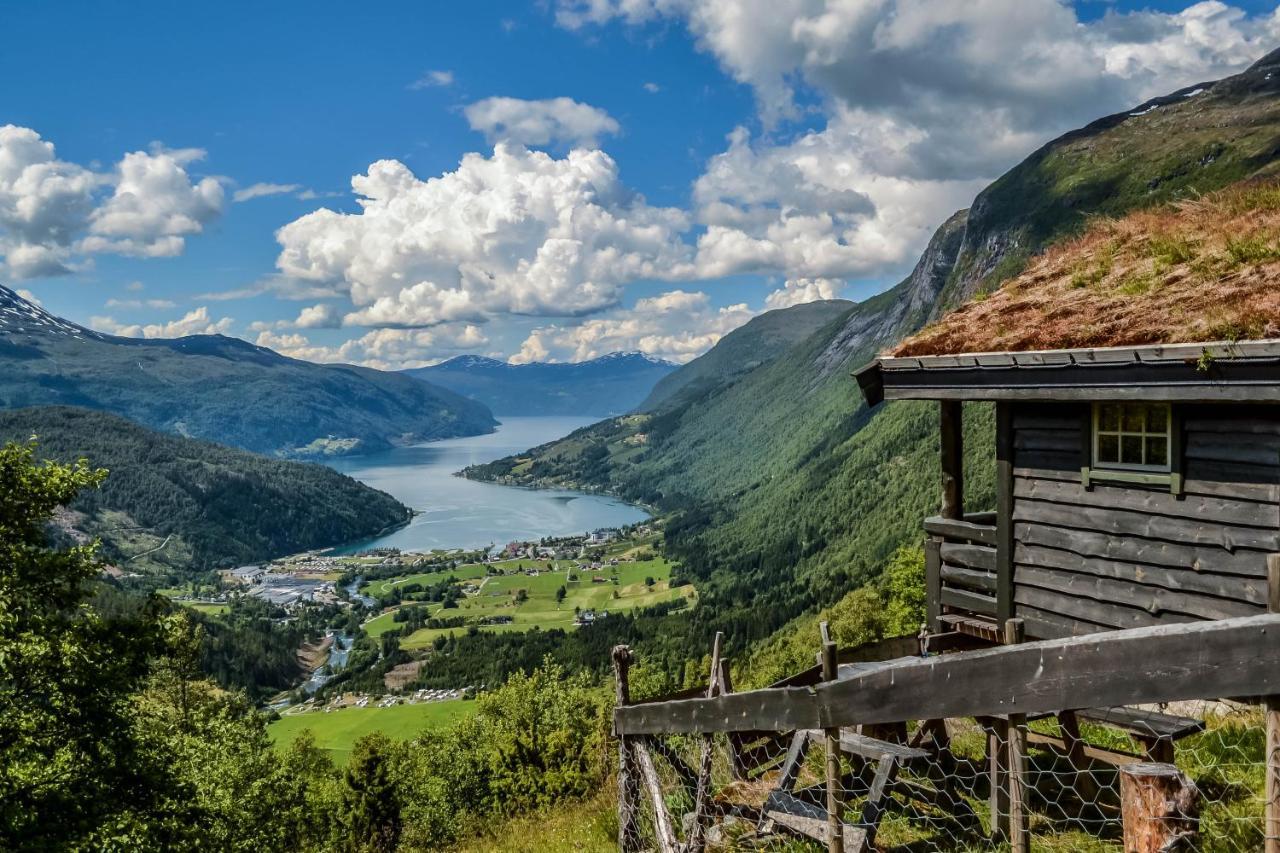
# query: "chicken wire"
928,785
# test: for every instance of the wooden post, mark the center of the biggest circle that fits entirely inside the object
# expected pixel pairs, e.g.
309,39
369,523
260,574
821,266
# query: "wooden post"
703,793
1019,819
1159,808
835,826
951,428
725,686
1272,829
662,827
1004,512
628,784
932,583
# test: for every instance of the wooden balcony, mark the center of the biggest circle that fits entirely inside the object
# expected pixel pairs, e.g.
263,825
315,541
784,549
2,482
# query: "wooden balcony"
961,578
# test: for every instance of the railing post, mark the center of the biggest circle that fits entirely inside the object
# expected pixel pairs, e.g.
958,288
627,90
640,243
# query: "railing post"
932,582
703,793
951,433
1019,819
628,783
1272,828
835,826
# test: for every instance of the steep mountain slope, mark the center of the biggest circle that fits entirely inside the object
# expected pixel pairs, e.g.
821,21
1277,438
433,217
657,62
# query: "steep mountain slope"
609,385
756,342
172,503
221,389
791,490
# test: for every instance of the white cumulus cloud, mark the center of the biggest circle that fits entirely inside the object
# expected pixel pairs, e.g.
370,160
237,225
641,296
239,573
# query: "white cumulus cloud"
384,349
540,123
54,214
520,232
678,325
196,322
798,291
433,80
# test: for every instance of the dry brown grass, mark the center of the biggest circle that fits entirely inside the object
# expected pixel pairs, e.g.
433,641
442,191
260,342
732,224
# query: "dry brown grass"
1200,270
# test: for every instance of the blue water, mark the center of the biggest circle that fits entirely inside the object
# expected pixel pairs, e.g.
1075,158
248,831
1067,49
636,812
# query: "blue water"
458,513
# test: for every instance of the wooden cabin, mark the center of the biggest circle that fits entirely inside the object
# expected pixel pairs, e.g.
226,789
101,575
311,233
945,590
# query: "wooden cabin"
1135,485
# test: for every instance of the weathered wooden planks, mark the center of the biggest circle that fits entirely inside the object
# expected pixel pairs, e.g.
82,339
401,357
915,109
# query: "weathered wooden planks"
1120,522
1107,614
1153,599
970,556
949,528
1150,501
1183,578
1158,664
984,582
1197,558
971,602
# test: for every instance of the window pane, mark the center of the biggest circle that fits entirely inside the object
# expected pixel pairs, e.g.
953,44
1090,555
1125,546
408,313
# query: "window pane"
1158,451
1109,417
1157,418
1133,418
1131,450
1108,448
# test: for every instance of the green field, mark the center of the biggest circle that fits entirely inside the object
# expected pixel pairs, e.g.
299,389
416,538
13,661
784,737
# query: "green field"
377,589
207,608
337,731
497,597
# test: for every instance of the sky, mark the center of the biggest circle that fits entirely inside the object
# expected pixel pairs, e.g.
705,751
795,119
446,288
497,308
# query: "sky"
397,183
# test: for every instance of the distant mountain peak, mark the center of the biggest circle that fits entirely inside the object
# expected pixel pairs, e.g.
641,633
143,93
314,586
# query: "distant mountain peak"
19,316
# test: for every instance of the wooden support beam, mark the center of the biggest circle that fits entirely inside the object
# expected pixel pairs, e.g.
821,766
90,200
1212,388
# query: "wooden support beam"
662,827
628,785
835,829
1004,512
932,583
951,430
1019,819
1272,830
703,794
1159,808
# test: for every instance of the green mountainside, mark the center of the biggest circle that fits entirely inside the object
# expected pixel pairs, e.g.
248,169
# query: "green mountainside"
221,389
756,342
789,491
175,504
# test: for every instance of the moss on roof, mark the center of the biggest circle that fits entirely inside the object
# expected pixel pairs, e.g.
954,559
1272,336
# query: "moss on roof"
1199,270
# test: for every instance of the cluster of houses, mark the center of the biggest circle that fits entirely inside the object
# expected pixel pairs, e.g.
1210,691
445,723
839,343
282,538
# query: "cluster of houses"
282,589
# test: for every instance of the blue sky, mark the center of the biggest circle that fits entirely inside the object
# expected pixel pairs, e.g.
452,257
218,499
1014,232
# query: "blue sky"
730,156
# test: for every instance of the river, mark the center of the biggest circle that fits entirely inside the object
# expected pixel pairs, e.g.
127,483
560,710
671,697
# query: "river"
458,513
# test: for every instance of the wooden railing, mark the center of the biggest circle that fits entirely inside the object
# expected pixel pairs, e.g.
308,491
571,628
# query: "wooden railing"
1166,663
960,567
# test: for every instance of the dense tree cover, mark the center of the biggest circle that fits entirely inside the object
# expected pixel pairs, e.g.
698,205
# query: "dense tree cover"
227,506
111,738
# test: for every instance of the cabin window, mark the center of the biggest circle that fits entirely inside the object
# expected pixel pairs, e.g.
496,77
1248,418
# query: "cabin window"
1132,436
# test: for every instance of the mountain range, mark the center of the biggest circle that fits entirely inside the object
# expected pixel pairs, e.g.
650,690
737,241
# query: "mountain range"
788,492
222,389
609,385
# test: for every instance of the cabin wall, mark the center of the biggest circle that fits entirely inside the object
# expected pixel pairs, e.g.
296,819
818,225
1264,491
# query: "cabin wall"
1125,556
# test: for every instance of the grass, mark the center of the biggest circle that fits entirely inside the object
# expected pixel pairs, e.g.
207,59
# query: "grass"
207,608
1185,272
377,589
499,597
337,731
589,826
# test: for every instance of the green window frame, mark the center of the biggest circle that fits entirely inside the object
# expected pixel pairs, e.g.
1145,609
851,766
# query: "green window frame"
1133,442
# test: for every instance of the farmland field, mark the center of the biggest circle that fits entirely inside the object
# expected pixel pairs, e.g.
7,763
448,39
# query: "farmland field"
337,731
620,588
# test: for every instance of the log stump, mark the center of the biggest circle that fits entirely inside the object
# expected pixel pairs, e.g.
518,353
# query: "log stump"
1160,808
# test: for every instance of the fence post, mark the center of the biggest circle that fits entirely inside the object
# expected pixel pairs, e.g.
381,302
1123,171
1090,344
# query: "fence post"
703,792
1019,819
951,429
1272,828
628,783
835,826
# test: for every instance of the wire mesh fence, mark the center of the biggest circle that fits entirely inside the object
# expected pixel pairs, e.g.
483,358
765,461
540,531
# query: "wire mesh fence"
1184,775
1190,775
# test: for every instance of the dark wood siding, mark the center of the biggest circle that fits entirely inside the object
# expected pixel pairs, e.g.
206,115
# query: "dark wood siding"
1125,556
